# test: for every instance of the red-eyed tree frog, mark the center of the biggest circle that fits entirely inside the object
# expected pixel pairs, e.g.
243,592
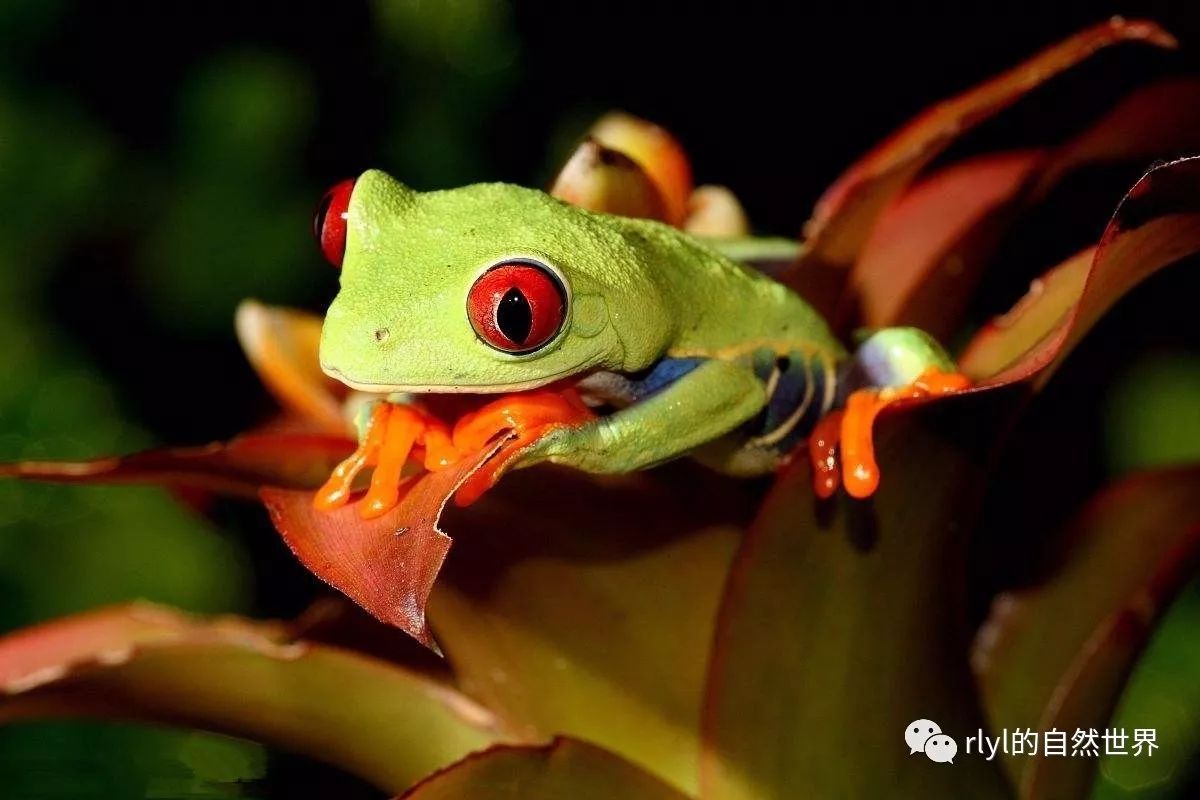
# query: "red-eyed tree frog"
665,345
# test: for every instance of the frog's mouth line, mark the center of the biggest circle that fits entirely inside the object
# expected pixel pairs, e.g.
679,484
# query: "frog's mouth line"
604,391
580,371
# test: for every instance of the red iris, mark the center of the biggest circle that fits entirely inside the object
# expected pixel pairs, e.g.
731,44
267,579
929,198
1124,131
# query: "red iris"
329,223
517,307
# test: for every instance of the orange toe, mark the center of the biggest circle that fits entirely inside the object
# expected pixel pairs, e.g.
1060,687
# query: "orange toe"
848,435
404,425
335,493
822,453
399,433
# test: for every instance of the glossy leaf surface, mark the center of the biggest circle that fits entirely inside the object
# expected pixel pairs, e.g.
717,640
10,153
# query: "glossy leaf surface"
563,769
579,605
853,613
1157,224
388,725
1056,655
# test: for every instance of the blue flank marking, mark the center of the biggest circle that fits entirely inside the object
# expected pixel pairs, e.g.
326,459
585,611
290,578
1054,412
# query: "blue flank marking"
662,375
806,375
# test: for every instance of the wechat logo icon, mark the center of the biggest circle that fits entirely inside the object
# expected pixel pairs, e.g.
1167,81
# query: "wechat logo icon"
925,736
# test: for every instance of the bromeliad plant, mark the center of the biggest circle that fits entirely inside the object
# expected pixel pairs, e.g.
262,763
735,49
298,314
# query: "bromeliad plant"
673,633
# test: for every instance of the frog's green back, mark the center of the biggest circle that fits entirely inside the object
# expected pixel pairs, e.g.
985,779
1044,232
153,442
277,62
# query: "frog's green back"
719,304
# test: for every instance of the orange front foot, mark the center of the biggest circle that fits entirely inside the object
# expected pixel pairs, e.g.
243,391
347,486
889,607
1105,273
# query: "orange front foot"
528,416
394,433
336,491
397,434
846,436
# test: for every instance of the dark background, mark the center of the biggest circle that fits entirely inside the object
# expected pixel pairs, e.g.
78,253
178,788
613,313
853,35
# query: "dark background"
159,162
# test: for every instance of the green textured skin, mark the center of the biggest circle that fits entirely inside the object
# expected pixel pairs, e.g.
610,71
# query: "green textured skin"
639,290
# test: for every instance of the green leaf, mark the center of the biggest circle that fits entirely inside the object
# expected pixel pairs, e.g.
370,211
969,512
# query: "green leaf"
843,622
583,606
563,769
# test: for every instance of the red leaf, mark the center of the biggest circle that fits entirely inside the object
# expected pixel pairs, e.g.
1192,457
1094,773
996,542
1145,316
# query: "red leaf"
837,229
388,564
923,258
853,612
1156,121
388,725
847,212
241,466
1157,224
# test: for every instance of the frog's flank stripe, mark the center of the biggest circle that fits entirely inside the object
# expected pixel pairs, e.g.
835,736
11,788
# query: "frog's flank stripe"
801,388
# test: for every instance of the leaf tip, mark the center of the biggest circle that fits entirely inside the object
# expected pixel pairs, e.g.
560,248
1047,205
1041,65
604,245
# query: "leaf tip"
1143,30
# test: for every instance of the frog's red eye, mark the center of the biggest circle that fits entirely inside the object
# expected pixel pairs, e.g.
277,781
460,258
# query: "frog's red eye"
329,223
517,306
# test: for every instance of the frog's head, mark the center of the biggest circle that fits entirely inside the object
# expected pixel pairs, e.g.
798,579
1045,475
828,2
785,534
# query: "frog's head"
488,288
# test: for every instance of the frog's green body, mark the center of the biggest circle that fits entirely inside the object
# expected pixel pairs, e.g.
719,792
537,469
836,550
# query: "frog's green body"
682,340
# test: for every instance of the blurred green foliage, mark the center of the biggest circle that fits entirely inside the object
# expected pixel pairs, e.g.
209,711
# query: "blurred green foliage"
1164,695
214,213
458,58
64,549
102,761
227,226
1153,412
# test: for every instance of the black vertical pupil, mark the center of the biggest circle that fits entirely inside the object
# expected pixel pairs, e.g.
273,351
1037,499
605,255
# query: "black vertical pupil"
514,317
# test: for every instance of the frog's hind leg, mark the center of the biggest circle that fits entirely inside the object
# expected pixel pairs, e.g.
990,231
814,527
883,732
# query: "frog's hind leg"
892,366
893,357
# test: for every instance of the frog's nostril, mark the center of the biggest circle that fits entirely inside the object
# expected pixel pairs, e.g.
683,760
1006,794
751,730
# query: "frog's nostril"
382,334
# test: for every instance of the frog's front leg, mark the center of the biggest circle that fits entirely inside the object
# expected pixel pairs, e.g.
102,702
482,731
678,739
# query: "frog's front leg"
706,403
